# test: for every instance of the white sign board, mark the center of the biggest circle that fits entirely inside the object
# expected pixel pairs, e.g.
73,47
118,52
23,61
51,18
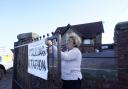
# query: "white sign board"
37,59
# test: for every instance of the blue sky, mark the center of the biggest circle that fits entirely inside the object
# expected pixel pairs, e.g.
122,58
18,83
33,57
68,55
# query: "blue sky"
42,17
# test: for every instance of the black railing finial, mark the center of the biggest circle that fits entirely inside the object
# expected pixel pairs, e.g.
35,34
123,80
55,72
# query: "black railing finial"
47,35
43,36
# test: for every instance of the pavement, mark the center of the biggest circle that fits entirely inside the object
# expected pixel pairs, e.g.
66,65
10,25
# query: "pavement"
6,82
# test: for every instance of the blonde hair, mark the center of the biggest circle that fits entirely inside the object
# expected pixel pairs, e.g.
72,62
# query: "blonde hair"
76,39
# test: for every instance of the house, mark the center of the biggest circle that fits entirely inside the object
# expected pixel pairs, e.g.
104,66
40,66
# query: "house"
90,33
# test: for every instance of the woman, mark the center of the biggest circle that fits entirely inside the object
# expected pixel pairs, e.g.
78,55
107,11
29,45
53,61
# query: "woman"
71,63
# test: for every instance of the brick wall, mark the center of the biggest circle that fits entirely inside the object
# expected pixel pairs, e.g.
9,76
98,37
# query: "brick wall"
121,46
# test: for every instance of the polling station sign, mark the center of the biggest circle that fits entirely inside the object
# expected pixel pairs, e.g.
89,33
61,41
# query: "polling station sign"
37,59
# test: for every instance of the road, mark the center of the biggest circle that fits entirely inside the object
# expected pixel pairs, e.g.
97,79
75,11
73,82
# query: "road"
6,82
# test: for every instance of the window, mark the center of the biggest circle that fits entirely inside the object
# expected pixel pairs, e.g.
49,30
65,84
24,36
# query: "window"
88,41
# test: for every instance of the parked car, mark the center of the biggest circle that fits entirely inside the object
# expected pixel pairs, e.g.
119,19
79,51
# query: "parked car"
6,60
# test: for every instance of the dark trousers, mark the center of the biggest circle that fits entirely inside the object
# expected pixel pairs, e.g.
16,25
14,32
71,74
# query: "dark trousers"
71,84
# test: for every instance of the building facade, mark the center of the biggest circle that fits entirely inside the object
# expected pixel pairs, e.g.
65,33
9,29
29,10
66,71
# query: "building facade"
90,33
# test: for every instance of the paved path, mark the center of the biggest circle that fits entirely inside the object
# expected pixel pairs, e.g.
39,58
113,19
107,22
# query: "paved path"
6,82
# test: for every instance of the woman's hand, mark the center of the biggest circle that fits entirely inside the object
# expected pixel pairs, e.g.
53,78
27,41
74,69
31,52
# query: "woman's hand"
48,43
